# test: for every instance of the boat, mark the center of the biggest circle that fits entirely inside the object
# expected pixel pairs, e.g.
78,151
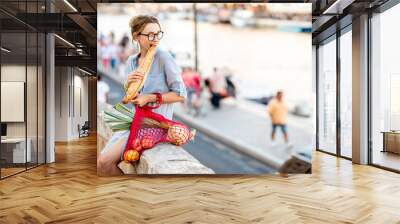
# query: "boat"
242,18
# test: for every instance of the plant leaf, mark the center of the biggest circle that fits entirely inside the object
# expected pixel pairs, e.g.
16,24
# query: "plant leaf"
118,116
123,109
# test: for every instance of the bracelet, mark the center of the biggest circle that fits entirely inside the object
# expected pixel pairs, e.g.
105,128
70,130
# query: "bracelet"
159,98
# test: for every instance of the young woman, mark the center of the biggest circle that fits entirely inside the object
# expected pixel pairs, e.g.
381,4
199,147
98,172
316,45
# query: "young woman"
164,77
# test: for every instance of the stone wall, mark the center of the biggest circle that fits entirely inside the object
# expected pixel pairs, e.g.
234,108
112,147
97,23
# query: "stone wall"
162,159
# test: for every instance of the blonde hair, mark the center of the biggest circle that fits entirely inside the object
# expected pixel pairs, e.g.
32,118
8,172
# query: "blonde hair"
138,23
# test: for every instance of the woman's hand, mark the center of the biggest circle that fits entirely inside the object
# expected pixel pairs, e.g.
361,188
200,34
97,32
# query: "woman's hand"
144,99
134,77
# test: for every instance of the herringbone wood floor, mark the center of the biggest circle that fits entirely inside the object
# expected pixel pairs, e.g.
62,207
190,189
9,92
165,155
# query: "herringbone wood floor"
69,191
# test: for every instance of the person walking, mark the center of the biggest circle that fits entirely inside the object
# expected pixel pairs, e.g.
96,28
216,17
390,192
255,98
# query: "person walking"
278,111
191,78
217,86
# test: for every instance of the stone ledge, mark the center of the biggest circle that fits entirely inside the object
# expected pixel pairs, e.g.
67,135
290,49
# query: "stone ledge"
169,159
162,159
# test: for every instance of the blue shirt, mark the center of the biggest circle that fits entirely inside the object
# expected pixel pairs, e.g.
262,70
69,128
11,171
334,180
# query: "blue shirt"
164,76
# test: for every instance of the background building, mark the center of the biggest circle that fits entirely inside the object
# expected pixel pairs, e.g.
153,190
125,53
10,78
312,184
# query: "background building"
357,80
48,78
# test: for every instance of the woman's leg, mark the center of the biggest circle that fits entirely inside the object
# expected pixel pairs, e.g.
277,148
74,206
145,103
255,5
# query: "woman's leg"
109,158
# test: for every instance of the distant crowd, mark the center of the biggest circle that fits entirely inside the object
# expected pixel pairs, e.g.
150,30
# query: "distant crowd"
112,56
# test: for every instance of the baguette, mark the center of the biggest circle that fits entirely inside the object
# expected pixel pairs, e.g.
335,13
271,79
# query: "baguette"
144,68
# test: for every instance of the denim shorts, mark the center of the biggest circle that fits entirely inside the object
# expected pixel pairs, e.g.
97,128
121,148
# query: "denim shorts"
282,126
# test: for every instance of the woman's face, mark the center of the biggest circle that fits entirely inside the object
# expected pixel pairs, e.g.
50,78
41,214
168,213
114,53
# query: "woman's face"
143,38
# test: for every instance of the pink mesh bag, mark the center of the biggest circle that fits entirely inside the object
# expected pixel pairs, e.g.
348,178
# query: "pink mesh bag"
149,128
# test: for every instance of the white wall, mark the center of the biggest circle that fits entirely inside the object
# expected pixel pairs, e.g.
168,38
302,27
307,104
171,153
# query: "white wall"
71,94
61,103
14,73
33,127
17,73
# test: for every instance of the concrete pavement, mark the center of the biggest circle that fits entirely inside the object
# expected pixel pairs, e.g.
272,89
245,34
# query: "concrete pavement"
245,126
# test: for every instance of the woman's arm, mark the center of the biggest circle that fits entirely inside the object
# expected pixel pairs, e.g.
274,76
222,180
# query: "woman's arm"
170,97
174,80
